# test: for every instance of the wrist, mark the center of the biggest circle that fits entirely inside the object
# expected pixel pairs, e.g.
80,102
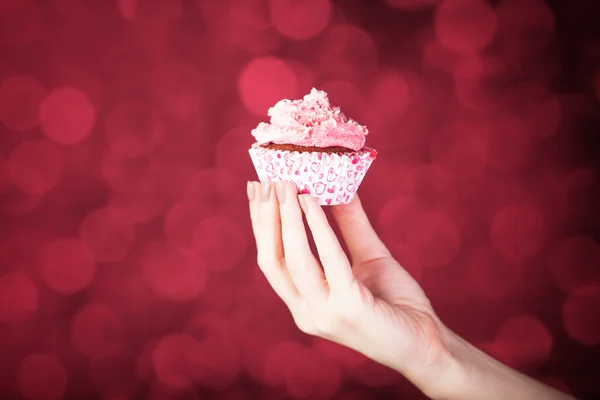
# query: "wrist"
438,372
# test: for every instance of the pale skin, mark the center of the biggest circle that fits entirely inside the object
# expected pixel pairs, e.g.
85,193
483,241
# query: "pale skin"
368,302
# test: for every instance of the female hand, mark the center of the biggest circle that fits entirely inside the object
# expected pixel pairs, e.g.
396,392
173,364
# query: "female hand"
372,305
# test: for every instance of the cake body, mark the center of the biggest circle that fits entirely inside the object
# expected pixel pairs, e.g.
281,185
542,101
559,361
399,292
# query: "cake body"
314,146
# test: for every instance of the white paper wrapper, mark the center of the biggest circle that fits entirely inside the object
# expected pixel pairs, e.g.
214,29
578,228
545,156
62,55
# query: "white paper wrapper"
331,178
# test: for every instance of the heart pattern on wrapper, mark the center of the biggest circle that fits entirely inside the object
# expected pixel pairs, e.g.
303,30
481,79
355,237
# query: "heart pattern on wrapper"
331,178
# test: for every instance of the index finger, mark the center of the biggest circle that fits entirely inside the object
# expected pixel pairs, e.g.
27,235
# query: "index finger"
363,242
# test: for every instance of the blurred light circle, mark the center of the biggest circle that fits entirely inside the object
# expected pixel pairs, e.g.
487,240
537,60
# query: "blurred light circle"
172,275
67,265
170,360
575,262
21,21
109,234
412,5
214,234
19,298
491,275
518,231
464,26
581,315
35,166
42,377
300,20
264,81
133,129
435,238
524,341
97,331
67,116
20,101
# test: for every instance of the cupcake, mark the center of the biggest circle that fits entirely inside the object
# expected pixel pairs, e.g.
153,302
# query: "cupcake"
314,146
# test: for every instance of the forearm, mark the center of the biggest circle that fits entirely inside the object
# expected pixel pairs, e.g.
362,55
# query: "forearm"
473,375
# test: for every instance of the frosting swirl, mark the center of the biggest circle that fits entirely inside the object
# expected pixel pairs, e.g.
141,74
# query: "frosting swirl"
311,121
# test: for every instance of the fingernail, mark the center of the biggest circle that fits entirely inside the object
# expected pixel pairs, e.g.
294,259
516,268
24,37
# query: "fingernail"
265,189
250,191
302,201
280,188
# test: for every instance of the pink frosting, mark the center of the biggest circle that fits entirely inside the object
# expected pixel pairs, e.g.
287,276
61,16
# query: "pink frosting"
311,121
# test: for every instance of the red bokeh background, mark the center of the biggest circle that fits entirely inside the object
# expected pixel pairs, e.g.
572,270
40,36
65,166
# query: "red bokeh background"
127,264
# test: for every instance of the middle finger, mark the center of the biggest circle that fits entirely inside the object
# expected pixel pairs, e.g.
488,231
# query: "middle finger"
302,264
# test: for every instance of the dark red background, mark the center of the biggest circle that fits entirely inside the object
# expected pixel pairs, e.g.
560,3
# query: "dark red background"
127,265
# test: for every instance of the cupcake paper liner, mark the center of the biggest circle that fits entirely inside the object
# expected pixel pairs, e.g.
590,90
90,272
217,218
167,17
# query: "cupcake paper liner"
331,178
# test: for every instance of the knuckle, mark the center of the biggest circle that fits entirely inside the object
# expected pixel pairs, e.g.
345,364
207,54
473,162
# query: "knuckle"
329,325
333,257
